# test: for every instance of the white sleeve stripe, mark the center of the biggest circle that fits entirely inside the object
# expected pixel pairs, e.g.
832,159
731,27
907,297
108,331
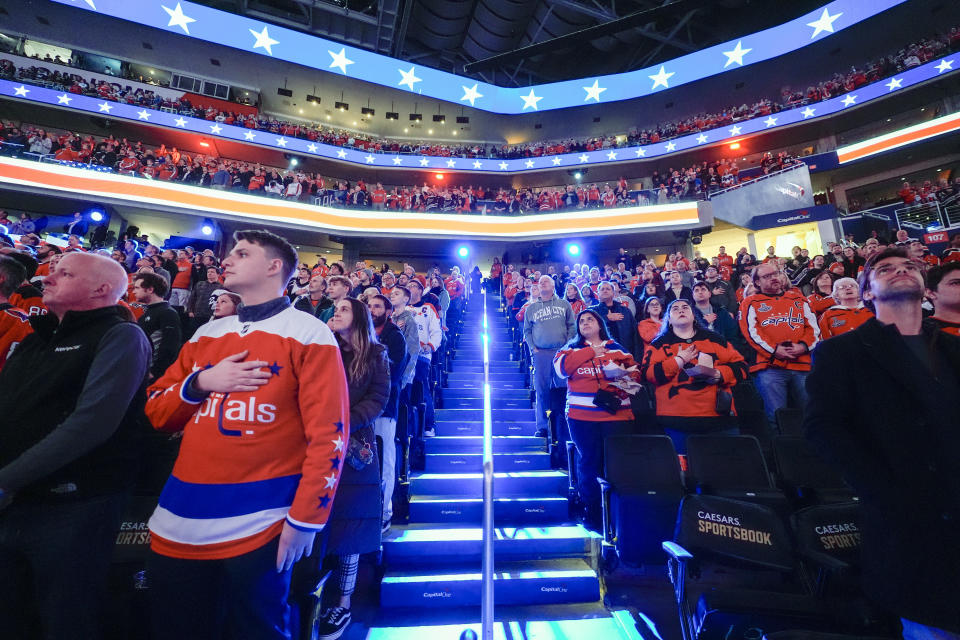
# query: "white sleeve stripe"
754,334
812,321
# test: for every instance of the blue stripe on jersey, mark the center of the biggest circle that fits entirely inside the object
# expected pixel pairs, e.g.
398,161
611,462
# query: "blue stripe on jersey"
202,501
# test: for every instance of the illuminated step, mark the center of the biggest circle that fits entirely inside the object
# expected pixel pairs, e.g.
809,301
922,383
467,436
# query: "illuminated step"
526,583
506,511
459,444
473,462
522,401
475,381
477,366
443,545
495,376
474,415
617,625
475,428
473,392
514,483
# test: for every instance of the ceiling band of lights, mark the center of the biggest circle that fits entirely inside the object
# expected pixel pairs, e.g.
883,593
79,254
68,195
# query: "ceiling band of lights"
899,138
128,190
736,132
247,34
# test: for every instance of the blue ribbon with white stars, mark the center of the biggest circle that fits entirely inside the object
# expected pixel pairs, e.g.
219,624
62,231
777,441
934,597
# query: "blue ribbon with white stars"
248,34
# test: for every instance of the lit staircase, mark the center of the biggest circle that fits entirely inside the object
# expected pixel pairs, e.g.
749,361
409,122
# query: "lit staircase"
544,565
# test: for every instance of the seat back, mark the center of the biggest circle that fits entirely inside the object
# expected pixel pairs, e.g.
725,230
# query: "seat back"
829,535
799,465
790,421
749,534
642,462
727,462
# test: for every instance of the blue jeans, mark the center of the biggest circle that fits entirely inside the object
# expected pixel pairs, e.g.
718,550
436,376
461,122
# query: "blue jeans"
544,379
775,385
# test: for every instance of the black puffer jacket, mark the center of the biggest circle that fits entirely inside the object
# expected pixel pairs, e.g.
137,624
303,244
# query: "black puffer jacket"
354,524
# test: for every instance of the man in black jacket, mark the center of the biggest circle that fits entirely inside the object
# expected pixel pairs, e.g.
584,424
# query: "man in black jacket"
159,321
71,404
889,422
315,301
386,425
620,322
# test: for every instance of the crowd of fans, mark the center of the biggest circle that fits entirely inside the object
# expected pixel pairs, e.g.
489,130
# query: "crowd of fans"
135,158
926,191
840,83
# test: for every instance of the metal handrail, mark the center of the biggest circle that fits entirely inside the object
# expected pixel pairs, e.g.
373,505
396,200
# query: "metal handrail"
486,593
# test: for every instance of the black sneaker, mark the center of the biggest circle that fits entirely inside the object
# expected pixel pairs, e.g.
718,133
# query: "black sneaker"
541,433
332,623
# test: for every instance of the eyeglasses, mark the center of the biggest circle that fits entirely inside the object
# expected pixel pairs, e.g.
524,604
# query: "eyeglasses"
887,269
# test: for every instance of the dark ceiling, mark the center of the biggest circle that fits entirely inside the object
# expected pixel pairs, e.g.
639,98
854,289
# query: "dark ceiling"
521,42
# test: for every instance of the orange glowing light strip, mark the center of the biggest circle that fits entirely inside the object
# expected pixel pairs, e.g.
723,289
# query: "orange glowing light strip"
899,138
203,201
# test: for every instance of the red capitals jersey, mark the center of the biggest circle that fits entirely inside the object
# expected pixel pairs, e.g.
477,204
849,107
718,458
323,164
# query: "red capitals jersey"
946,325
28,299
454,287
950,255
583,371
837,320
768,321
251,460
14,327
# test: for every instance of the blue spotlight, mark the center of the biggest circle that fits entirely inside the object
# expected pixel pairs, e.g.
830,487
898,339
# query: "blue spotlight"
207,227
463,252
96,216
577,175
573,249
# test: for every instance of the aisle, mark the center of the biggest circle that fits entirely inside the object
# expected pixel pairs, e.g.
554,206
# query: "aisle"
546,583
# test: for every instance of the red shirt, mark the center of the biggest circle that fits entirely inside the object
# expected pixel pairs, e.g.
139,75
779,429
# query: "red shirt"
182,279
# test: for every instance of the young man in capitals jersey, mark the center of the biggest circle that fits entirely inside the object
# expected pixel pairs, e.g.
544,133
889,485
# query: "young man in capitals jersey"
261,398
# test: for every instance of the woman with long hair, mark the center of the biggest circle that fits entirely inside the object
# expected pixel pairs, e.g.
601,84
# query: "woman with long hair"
852,263
436,287
572,295
821,297
589,297
693,370
354,524
651,319
601,376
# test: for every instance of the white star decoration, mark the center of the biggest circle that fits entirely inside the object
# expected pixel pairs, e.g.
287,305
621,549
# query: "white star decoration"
895,83
557,160
92,6
216,129
529,164
612,155
281,141
807,113
312,148
849,99
64,99
264,40
249,135
340,60
736,55
451,163
660,78
341,154
337,444
824,23
21,91
530,101
641,152
409,78
944,66
503,166
369,159
180,122
671,146
331,480
770,121
397,161
701,139
583,157
734,130
143,114
424,162
105,107
177,19
594,91
476,164
471,94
